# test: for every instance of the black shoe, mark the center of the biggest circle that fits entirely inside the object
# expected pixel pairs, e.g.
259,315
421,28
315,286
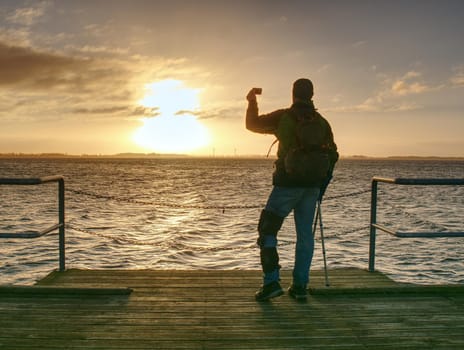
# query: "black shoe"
298,292
269,291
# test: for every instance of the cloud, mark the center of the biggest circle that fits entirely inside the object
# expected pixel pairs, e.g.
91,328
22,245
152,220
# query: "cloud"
324,68
457,80
44,84
139,111
376,105
127,110
211,112
186,112
231,112
56,84
408,84
100,50
31,69
102,110
359,43
395,94
28,16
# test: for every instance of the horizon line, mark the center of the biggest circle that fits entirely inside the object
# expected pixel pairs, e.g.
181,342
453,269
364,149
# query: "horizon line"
177,155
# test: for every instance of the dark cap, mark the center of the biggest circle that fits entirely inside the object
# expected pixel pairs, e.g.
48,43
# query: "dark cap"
303,89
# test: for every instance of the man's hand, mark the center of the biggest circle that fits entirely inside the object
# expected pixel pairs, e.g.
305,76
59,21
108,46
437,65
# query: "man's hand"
252,94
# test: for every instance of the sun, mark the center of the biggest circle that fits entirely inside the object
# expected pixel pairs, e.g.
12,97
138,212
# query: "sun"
175,128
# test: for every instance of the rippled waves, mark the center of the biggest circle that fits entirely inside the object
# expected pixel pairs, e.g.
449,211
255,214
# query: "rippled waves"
169,214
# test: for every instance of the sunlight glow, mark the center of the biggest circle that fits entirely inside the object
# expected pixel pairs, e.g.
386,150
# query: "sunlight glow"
175,129
172,134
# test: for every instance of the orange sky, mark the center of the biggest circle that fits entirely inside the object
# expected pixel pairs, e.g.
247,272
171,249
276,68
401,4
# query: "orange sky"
142,76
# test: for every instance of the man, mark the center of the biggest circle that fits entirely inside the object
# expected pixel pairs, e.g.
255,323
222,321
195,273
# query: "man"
288,193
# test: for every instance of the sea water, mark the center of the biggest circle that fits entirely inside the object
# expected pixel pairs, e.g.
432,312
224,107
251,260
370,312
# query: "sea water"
202,213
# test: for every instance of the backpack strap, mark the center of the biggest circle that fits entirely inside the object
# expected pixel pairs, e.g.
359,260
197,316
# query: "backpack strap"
270,148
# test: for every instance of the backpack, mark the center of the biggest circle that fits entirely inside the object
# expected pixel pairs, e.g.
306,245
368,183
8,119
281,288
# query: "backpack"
307,159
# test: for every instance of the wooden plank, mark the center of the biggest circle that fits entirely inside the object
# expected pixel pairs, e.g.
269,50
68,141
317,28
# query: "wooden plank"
216,310
48,290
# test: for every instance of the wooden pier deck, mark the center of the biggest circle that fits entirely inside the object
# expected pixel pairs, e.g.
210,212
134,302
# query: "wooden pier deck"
92,309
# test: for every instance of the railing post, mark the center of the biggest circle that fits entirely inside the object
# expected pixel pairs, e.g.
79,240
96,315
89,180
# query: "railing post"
373,221
62,224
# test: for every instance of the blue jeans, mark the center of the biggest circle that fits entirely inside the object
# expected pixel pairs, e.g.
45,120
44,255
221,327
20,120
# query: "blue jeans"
302,200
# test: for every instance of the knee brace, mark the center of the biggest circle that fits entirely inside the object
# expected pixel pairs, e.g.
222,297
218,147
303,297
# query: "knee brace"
269,224
269,259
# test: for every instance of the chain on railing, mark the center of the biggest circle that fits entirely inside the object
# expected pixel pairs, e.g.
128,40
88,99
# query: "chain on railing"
162,204
192,206
344,195
126,240
413,216
252,245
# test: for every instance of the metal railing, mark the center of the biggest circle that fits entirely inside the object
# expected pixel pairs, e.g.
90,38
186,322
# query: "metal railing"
61,220
373,220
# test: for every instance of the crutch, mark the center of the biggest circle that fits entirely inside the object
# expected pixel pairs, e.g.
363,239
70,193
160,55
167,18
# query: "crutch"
318,217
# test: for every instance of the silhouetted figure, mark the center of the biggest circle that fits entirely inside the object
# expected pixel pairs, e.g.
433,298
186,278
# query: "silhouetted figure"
306,157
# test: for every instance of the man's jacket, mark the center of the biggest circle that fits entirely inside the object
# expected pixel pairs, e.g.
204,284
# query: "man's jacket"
272,123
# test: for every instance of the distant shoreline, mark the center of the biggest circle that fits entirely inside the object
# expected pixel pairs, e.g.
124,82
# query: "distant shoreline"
165,156
402,158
